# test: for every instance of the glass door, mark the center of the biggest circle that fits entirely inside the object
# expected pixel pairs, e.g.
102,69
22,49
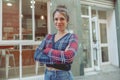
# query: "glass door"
95,44
104,42
99,41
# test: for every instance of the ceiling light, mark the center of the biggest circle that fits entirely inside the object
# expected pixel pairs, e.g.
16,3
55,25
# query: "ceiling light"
32,2
42,17
9,4
31,6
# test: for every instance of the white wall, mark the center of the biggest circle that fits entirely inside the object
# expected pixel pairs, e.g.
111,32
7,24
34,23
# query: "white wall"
0,20
112,39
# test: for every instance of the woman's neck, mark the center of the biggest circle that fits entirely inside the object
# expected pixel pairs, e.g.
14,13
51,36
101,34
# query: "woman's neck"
62,32
59,35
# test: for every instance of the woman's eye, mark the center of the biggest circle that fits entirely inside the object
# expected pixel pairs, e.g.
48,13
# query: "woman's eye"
62,19
56,19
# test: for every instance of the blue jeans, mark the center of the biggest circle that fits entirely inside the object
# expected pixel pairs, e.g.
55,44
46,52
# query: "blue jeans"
58,75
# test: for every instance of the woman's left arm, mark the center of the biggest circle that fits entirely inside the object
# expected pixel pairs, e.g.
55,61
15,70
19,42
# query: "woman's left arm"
66,56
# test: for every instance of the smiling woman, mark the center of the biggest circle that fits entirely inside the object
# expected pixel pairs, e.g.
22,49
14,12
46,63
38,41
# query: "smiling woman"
57,50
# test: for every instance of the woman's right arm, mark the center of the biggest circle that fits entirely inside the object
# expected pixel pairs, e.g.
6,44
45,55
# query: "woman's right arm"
39,55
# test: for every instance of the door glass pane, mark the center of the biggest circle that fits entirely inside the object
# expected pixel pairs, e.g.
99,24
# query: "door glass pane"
94,32
10,22
27,20
40,19
93,12
84,10
86,42
104,51
103,33
95,56
102,14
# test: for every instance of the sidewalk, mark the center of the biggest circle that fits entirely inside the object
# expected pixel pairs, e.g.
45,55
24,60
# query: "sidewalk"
110,75
107,73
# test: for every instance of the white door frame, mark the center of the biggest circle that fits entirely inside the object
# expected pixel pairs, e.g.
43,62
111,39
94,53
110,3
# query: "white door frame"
95,44
104,44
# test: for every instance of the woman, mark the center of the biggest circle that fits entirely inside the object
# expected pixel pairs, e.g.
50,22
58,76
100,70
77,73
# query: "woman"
57,50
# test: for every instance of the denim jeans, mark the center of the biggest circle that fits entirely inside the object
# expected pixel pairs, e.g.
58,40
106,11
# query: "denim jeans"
58,75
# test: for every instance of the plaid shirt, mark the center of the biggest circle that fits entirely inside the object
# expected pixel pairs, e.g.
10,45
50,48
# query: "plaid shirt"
59,52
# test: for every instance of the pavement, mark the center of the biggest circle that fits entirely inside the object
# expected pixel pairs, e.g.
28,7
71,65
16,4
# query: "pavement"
101,75
107,73
110,75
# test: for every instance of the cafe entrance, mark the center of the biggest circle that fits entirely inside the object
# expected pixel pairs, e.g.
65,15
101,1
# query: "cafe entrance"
95,37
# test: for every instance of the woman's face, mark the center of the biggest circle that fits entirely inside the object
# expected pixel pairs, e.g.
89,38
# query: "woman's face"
60,21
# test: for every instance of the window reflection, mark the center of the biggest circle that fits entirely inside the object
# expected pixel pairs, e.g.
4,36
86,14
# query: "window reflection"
10,22
94,32
10,19
102,14
84,10
40,19
28,62
103,33
86,42
104,51
9,61
93,13
26,20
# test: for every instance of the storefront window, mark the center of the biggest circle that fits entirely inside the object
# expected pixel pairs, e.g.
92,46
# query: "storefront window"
9,61
33,26
40,20
84,10
94,13
40,25
10,19
27,20
102,14
86,42
28,62
10,23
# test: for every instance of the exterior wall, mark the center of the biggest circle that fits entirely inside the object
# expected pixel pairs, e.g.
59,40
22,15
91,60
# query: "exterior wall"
112,39
0,19
117,13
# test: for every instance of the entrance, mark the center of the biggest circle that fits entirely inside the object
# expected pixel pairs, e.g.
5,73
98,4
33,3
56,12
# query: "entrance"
95,44
99,43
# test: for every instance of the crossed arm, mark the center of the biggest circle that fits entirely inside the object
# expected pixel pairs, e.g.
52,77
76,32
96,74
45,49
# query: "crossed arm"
51,56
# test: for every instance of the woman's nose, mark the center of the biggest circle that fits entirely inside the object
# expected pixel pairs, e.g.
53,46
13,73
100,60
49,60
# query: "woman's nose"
59,21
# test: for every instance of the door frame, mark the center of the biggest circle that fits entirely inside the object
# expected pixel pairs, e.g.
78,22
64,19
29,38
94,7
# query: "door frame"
104,44
95,45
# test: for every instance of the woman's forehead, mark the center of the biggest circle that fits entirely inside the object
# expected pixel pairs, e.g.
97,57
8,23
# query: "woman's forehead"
62,14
